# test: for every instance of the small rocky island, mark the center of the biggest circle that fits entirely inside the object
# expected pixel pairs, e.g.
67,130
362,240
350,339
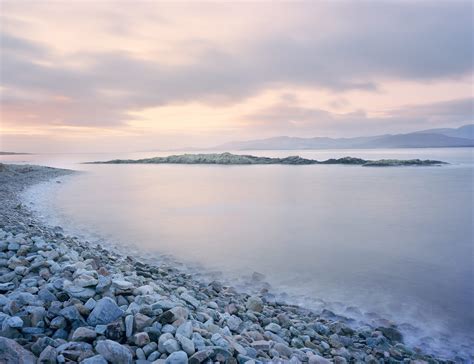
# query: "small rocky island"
235,159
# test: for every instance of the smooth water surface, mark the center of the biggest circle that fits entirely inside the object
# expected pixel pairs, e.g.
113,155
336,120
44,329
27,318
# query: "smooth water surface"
397,241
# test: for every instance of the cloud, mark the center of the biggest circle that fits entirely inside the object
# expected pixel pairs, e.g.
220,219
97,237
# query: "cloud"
337,47
291,119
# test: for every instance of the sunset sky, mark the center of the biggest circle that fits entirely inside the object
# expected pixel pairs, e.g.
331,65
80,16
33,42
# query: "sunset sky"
125,76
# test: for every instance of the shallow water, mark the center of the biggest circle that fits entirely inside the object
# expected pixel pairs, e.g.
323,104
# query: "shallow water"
396,241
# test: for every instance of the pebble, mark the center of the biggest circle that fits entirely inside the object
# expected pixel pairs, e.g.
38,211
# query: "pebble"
114,352
178,357
104,312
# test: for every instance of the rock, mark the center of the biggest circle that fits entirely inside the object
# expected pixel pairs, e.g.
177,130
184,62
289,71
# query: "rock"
96,359
185,329
261,345
5,287
104,312
82,293
190,299
254,303
141,339
234,322
122,284
128,326
317,359
104,284
339,360
283,350
161,341
176,313
13,322
90,304
200,356
275,328
149,348
114,352
186,344
391,333
84,334
178,357
48,356
86,280
141,321
163,305
71,313
59,322
13,353
171,346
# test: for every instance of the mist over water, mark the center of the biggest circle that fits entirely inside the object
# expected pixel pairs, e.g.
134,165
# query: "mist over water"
396,241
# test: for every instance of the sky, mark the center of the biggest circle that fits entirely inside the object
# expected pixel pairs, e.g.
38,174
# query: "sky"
98,76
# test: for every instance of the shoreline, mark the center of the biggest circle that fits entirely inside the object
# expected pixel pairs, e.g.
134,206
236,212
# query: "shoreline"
67,301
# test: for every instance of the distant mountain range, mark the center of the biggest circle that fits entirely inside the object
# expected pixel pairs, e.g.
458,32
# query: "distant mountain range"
431,138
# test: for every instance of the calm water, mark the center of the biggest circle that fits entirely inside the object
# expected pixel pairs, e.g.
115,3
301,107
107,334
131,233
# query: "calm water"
396,241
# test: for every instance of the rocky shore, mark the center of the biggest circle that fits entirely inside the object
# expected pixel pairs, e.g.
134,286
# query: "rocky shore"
65,301
235,159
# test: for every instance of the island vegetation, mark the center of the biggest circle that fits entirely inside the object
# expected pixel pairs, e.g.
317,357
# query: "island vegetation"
235,159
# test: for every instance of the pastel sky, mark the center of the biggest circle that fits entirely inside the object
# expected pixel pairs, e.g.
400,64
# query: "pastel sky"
135,75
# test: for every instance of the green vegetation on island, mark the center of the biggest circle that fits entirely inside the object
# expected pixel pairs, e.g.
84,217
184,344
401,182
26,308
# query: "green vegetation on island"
234,159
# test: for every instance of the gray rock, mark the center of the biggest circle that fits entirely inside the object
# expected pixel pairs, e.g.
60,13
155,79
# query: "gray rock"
219,340
141,339
103,285
162,339
90,304
275,328
84,334
178,357
190,299
317,359
59,322
168,329
113,352
86,280
171,346
4,287
261,345
186,344
254,303
13,322
391,333
163,305
149,348
12,353
96,359
128,326
234,323
104,312
79,292
283,350
185,329
176,313
141,321
200,356
48,356
71,313
122,284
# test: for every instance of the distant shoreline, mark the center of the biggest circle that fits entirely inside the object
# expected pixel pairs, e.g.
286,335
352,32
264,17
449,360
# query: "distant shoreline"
14,153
